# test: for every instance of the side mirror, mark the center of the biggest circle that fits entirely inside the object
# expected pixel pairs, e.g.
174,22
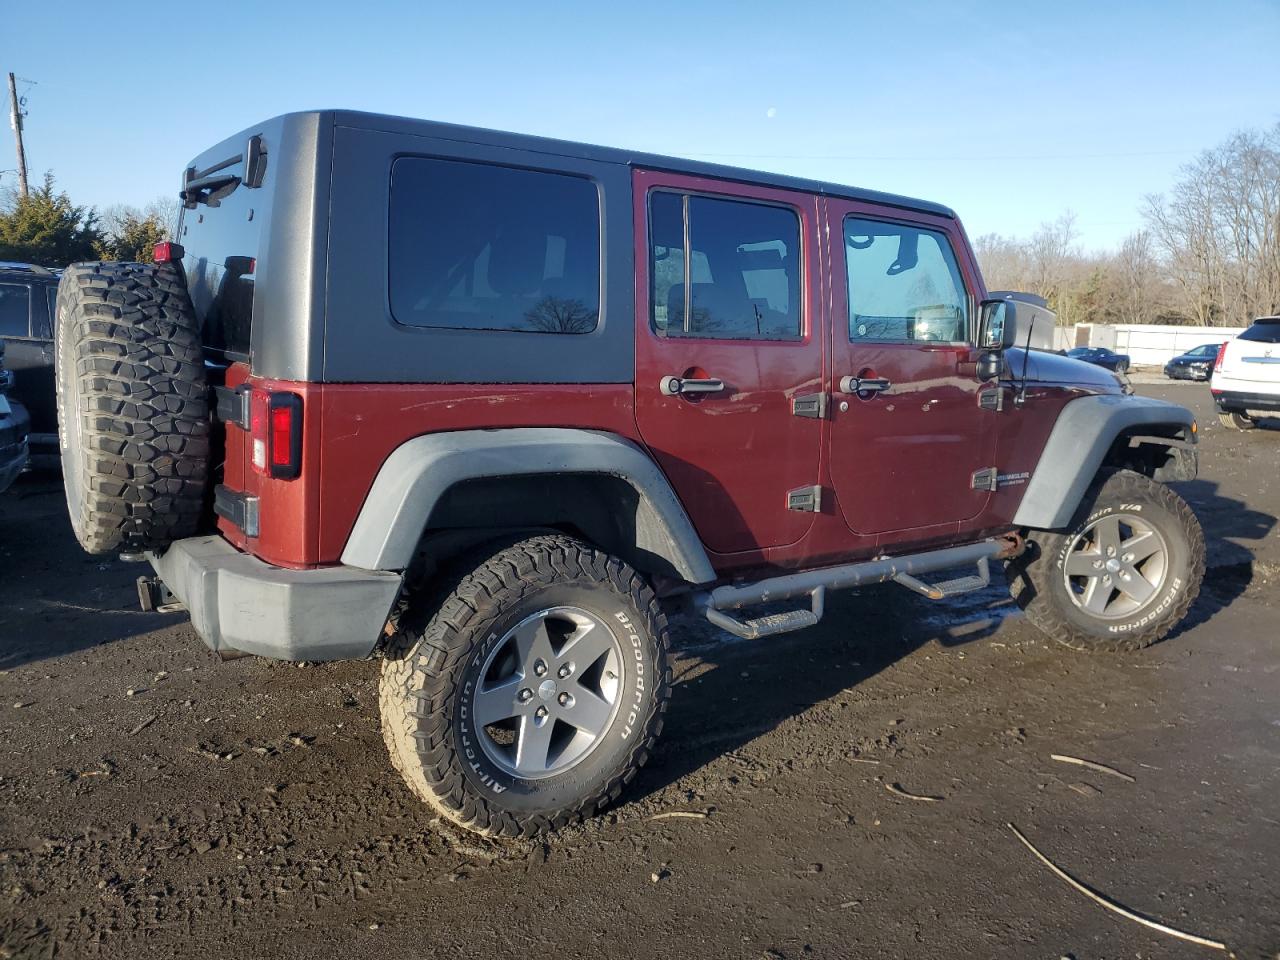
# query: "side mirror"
997,324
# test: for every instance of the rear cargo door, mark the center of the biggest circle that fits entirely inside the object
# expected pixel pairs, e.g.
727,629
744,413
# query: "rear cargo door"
1254,356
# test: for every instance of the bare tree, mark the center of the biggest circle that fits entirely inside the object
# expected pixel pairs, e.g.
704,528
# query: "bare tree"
1219,230
560,315
1136,276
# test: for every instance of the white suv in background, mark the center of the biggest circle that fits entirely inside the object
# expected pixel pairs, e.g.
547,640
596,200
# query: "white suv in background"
1246,375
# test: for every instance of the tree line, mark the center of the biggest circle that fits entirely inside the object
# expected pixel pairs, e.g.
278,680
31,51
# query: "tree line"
47,229
1208,253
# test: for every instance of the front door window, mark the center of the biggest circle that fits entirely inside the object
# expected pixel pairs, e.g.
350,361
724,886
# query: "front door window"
904,285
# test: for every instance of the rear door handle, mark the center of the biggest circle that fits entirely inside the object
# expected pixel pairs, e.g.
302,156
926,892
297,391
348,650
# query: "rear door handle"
864,385
675,386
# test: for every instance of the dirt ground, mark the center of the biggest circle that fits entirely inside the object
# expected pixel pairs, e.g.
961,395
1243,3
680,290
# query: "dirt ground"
156,802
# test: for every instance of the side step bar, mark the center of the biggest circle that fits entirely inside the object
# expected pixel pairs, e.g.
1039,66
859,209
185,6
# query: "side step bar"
814,584
949,588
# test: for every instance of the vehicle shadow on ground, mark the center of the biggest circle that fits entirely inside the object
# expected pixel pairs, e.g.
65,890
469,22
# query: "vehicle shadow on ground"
49,606
728,692
1230,566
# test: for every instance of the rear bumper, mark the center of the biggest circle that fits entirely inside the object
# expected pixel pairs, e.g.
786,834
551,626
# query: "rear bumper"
239,603
1240,400
13,444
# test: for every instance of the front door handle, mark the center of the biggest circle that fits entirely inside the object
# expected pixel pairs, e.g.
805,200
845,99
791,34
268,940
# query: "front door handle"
864,384
676,386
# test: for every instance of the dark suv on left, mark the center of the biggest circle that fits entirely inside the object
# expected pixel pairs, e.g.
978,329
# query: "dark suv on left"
13,430
27,293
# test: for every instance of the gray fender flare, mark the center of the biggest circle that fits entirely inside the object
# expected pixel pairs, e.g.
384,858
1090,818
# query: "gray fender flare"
421,470
1079,441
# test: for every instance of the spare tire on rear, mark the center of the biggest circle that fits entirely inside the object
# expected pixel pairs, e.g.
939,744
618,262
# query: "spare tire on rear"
133,408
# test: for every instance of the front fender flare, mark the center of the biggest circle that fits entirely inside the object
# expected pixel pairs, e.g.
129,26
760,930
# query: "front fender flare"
1077,446
420,471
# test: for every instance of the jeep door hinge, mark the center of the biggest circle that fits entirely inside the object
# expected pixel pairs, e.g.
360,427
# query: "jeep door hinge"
805,499
232,406
986,479
810,405
992,399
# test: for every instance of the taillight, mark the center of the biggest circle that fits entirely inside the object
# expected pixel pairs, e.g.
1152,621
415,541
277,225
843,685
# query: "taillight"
275,428
167,251
1222,352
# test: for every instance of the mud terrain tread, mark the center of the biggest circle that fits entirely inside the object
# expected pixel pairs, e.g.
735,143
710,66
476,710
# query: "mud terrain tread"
418,669
1029,578
143,406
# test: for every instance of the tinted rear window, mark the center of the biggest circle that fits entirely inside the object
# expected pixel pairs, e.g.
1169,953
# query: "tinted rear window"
1263,332
15,310
476,246
223,241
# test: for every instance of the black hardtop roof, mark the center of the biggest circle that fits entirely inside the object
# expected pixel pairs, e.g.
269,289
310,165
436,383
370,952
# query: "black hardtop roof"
451,131
28,271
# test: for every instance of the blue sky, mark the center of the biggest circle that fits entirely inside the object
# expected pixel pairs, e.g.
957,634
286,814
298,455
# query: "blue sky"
1009,112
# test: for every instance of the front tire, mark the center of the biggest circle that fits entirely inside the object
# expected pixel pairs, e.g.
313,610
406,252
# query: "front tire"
533,693
1122,575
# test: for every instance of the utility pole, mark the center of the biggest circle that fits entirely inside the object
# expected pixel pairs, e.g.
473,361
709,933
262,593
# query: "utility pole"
15,121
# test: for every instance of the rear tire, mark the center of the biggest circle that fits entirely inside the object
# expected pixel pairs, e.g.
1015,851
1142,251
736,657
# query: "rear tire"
1236,421
133,411
490,715
1122,575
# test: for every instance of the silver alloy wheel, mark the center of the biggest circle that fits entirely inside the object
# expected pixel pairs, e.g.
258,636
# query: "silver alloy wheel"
1116,566
548,692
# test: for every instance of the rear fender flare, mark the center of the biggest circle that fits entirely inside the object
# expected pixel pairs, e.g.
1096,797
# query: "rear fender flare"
418,474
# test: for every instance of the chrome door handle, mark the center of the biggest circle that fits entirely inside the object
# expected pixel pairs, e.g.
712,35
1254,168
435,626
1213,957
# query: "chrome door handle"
674,386
864,385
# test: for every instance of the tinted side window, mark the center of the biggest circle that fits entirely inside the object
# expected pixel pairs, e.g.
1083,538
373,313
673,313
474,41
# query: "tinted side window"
1262,333
742,265
904,284
482,247
15,310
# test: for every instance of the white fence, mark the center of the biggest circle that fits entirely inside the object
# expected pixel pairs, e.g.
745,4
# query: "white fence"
1145,344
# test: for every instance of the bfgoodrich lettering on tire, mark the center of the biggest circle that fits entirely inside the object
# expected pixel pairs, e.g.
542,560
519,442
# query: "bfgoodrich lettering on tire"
133,411
530,694
1123,574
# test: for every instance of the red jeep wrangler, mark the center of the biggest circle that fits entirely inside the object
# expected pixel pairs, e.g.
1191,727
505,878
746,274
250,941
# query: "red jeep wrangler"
485,405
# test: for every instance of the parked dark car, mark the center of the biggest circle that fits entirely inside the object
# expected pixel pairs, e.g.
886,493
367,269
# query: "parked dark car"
14,424
1195,364
27,295
1101,357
